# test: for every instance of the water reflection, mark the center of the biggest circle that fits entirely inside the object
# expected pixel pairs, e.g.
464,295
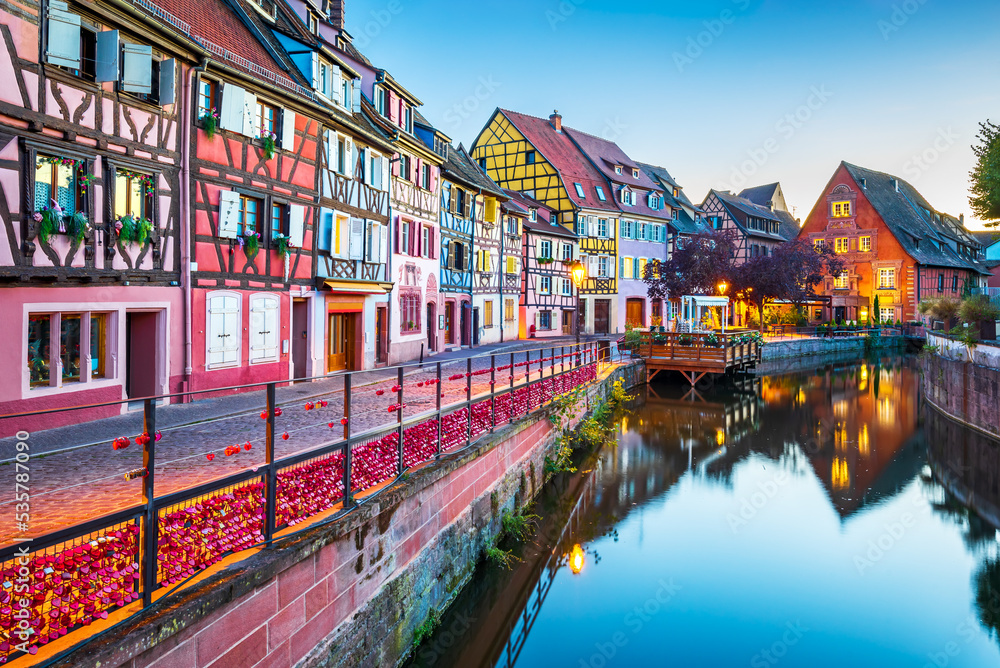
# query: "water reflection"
794,518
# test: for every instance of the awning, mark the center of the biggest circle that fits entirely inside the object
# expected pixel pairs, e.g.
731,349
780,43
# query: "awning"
355,287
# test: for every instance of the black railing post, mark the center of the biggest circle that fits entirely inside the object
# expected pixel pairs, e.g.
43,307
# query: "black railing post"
510,379
150,530
348,496
468,398
437,397
493,397
270,472
399,420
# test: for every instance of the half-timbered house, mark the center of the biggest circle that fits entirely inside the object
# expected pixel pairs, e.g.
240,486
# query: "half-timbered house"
687,218
91,205
759,228
514,212
253,184
352,242
642,227
895,245
535,156
548,304
457,206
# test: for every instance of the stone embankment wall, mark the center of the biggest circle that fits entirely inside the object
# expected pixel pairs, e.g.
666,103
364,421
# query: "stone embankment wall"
354,591
964,390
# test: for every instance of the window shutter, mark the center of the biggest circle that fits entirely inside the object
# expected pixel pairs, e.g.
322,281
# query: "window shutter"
399,234
64,36
357,248
167,78
621,267
453,199
383,243
432,252
356,96
231,117
325,235
229,207
315,72
592,269
250,128
257,328
106,55
137,69
288,129
270,328
263,328
385,174
349,157
224,330
296,225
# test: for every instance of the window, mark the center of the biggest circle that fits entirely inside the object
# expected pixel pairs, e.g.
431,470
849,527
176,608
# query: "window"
545,320
134,194
98,343
278,219
409,308
865,244
654,203
567,252
544,249
529,157
425,177
313,24
842,281
247,224
604,266
625,267
381,101
223,334
600,194
408,119
842,245
533,215
886,278
579,191
545,285
208,91
512,226
841,209
457,256
346,96
508,310
77,332
425,246
954,283
819,244
39,349
940,282
488,314
628,197
627,229
635,173
361,164
267,116
264,328
887,314
641,265
581,226
640,231
55,181
602,228
404,167
567,286
618,169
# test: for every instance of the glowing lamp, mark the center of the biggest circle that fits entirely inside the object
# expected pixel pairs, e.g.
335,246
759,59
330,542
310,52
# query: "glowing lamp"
723,286
579,273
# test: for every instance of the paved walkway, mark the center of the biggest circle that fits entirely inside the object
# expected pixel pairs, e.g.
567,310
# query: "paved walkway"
74,474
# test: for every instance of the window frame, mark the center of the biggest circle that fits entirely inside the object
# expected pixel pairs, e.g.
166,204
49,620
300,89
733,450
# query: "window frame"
865,244
579,191
886,272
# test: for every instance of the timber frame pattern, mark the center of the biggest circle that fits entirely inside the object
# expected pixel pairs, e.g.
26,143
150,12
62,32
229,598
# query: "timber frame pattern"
54,112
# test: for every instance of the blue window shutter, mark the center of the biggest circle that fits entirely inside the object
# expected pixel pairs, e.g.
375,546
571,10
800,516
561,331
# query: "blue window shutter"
167,78
107,56
64,37
137,69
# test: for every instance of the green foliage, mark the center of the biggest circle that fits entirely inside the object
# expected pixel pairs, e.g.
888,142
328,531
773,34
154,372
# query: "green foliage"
500,557
632,338
519,525
48,225
941,309
210,123
985,190
76,225
251,244
978,308
282,244
267,143
426,629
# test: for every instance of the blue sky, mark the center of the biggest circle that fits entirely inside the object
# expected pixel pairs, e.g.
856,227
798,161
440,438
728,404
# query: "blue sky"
724,93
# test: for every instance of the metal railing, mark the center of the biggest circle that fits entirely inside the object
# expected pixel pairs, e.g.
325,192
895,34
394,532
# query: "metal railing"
81,573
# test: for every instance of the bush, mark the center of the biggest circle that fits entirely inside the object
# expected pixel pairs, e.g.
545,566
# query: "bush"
978,309
941,309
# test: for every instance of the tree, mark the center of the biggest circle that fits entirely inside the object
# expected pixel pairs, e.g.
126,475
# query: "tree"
696,267
985,189
789,273
876,316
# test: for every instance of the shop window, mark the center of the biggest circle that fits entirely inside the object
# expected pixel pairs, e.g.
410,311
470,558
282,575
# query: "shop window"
79,333
409,306
39,353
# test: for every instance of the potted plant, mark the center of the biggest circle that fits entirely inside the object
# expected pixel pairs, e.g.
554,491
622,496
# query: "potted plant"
267,142
685,339
250,243
210,123
712,341
49,221
126,228
979,310
77,225
282,244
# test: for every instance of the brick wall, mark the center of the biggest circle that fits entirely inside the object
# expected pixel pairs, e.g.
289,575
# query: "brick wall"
351,592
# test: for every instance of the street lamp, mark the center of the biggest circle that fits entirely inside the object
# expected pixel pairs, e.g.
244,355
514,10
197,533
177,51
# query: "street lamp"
579,273
722,287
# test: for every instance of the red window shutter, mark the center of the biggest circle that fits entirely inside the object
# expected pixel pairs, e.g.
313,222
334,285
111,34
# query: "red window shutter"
432,251
399,235
413,229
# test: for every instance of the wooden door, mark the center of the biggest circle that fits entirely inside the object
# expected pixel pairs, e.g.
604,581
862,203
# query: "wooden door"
602,316
381,344
339,342
449,322
634,315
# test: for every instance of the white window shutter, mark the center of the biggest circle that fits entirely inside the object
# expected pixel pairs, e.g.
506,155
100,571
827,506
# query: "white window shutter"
357,239
257,328
231,117
263,328
137,68
64,36
167,78
356,95
385,174
229,209
250,114
383,243
296,225
592,269
271,328
349,157
288,129
315,72
224,330
106,55
337,93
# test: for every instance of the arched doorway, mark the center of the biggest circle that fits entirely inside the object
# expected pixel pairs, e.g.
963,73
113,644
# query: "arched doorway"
431,327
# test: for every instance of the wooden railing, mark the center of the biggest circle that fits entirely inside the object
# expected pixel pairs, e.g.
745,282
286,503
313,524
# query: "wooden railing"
709,352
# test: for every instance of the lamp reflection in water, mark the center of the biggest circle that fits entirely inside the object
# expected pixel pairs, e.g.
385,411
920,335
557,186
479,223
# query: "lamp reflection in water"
720,437
576,559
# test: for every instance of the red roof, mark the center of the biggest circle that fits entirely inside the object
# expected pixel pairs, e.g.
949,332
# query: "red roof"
215,25
566,158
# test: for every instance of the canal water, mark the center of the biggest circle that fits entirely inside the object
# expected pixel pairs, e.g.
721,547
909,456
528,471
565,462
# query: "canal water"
812,519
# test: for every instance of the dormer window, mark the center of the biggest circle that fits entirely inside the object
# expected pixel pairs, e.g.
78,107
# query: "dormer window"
628,197
533,215
313,24
618,169
600,193
266,6
654,201
635,173
579,191
381,101
408,119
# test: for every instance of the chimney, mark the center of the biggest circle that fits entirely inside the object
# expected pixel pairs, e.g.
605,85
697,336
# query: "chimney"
337,14
961,219
556,120
895,184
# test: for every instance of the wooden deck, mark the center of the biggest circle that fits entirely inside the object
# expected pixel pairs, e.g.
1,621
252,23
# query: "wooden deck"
694,357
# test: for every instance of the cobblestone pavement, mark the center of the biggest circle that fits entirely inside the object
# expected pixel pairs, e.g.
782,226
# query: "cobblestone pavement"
70,486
